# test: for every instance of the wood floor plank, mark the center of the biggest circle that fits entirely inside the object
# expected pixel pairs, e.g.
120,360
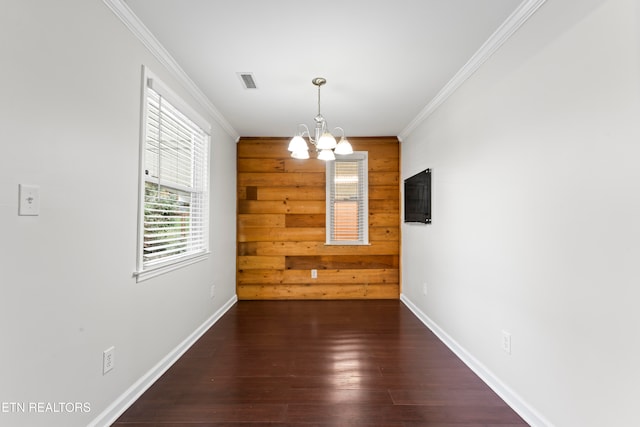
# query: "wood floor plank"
319,363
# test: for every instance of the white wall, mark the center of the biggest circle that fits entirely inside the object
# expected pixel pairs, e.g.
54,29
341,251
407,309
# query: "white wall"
536,200
70,82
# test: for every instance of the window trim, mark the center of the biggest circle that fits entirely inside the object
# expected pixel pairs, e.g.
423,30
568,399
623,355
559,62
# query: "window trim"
150,80
363,158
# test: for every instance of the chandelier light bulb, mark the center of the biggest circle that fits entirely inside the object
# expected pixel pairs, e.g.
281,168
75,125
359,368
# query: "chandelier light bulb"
327,142
301,155
326,155
297,144
343,147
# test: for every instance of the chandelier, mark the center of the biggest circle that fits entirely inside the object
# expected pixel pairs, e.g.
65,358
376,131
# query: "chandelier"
324,142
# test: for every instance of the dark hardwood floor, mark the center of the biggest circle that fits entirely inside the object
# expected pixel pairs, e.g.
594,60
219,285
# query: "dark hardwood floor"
319,363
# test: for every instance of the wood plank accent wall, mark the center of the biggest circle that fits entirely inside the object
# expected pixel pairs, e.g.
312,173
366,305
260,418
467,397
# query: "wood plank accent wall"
281,226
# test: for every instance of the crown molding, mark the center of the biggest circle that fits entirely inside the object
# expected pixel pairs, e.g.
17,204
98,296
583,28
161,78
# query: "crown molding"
138,29
521,15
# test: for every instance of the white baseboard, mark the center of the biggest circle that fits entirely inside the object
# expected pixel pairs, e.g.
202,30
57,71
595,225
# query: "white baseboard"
522,408
117,408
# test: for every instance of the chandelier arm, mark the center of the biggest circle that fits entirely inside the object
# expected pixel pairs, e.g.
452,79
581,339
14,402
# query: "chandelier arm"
305,132
306,129
344,135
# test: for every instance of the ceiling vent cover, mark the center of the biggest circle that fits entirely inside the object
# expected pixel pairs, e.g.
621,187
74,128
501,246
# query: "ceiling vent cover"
248,81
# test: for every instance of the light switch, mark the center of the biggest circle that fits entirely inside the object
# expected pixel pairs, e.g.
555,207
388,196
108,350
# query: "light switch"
29,200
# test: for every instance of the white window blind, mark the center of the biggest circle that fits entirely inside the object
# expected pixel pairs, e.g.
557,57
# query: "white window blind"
174,223
347,200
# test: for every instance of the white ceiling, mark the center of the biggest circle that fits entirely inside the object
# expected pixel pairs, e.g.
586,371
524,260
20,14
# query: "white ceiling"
384,60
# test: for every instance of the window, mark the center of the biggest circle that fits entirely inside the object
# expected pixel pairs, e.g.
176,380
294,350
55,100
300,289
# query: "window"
173,220
347,200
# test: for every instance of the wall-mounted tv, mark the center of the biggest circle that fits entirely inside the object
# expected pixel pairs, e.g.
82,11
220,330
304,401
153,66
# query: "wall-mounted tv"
417,198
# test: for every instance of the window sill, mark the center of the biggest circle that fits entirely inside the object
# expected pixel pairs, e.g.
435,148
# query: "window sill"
158,270
347,244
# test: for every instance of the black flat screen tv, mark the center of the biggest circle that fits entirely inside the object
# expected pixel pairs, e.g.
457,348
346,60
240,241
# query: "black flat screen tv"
417,198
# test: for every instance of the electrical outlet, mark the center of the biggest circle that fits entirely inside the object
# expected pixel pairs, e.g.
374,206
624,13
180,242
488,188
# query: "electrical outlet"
213,291
424,289
314,274
506,342
108,360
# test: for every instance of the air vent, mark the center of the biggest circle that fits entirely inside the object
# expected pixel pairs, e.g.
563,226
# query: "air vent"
248,81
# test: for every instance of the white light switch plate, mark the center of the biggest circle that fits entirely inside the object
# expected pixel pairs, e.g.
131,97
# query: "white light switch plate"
29,200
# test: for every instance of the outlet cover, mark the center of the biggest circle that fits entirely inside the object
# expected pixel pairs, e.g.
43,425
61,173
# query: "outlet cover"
108,359
506,342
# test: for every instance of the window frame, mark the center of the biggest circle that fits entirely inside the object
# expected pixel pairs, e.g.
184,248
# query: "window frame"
362,157
146,270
